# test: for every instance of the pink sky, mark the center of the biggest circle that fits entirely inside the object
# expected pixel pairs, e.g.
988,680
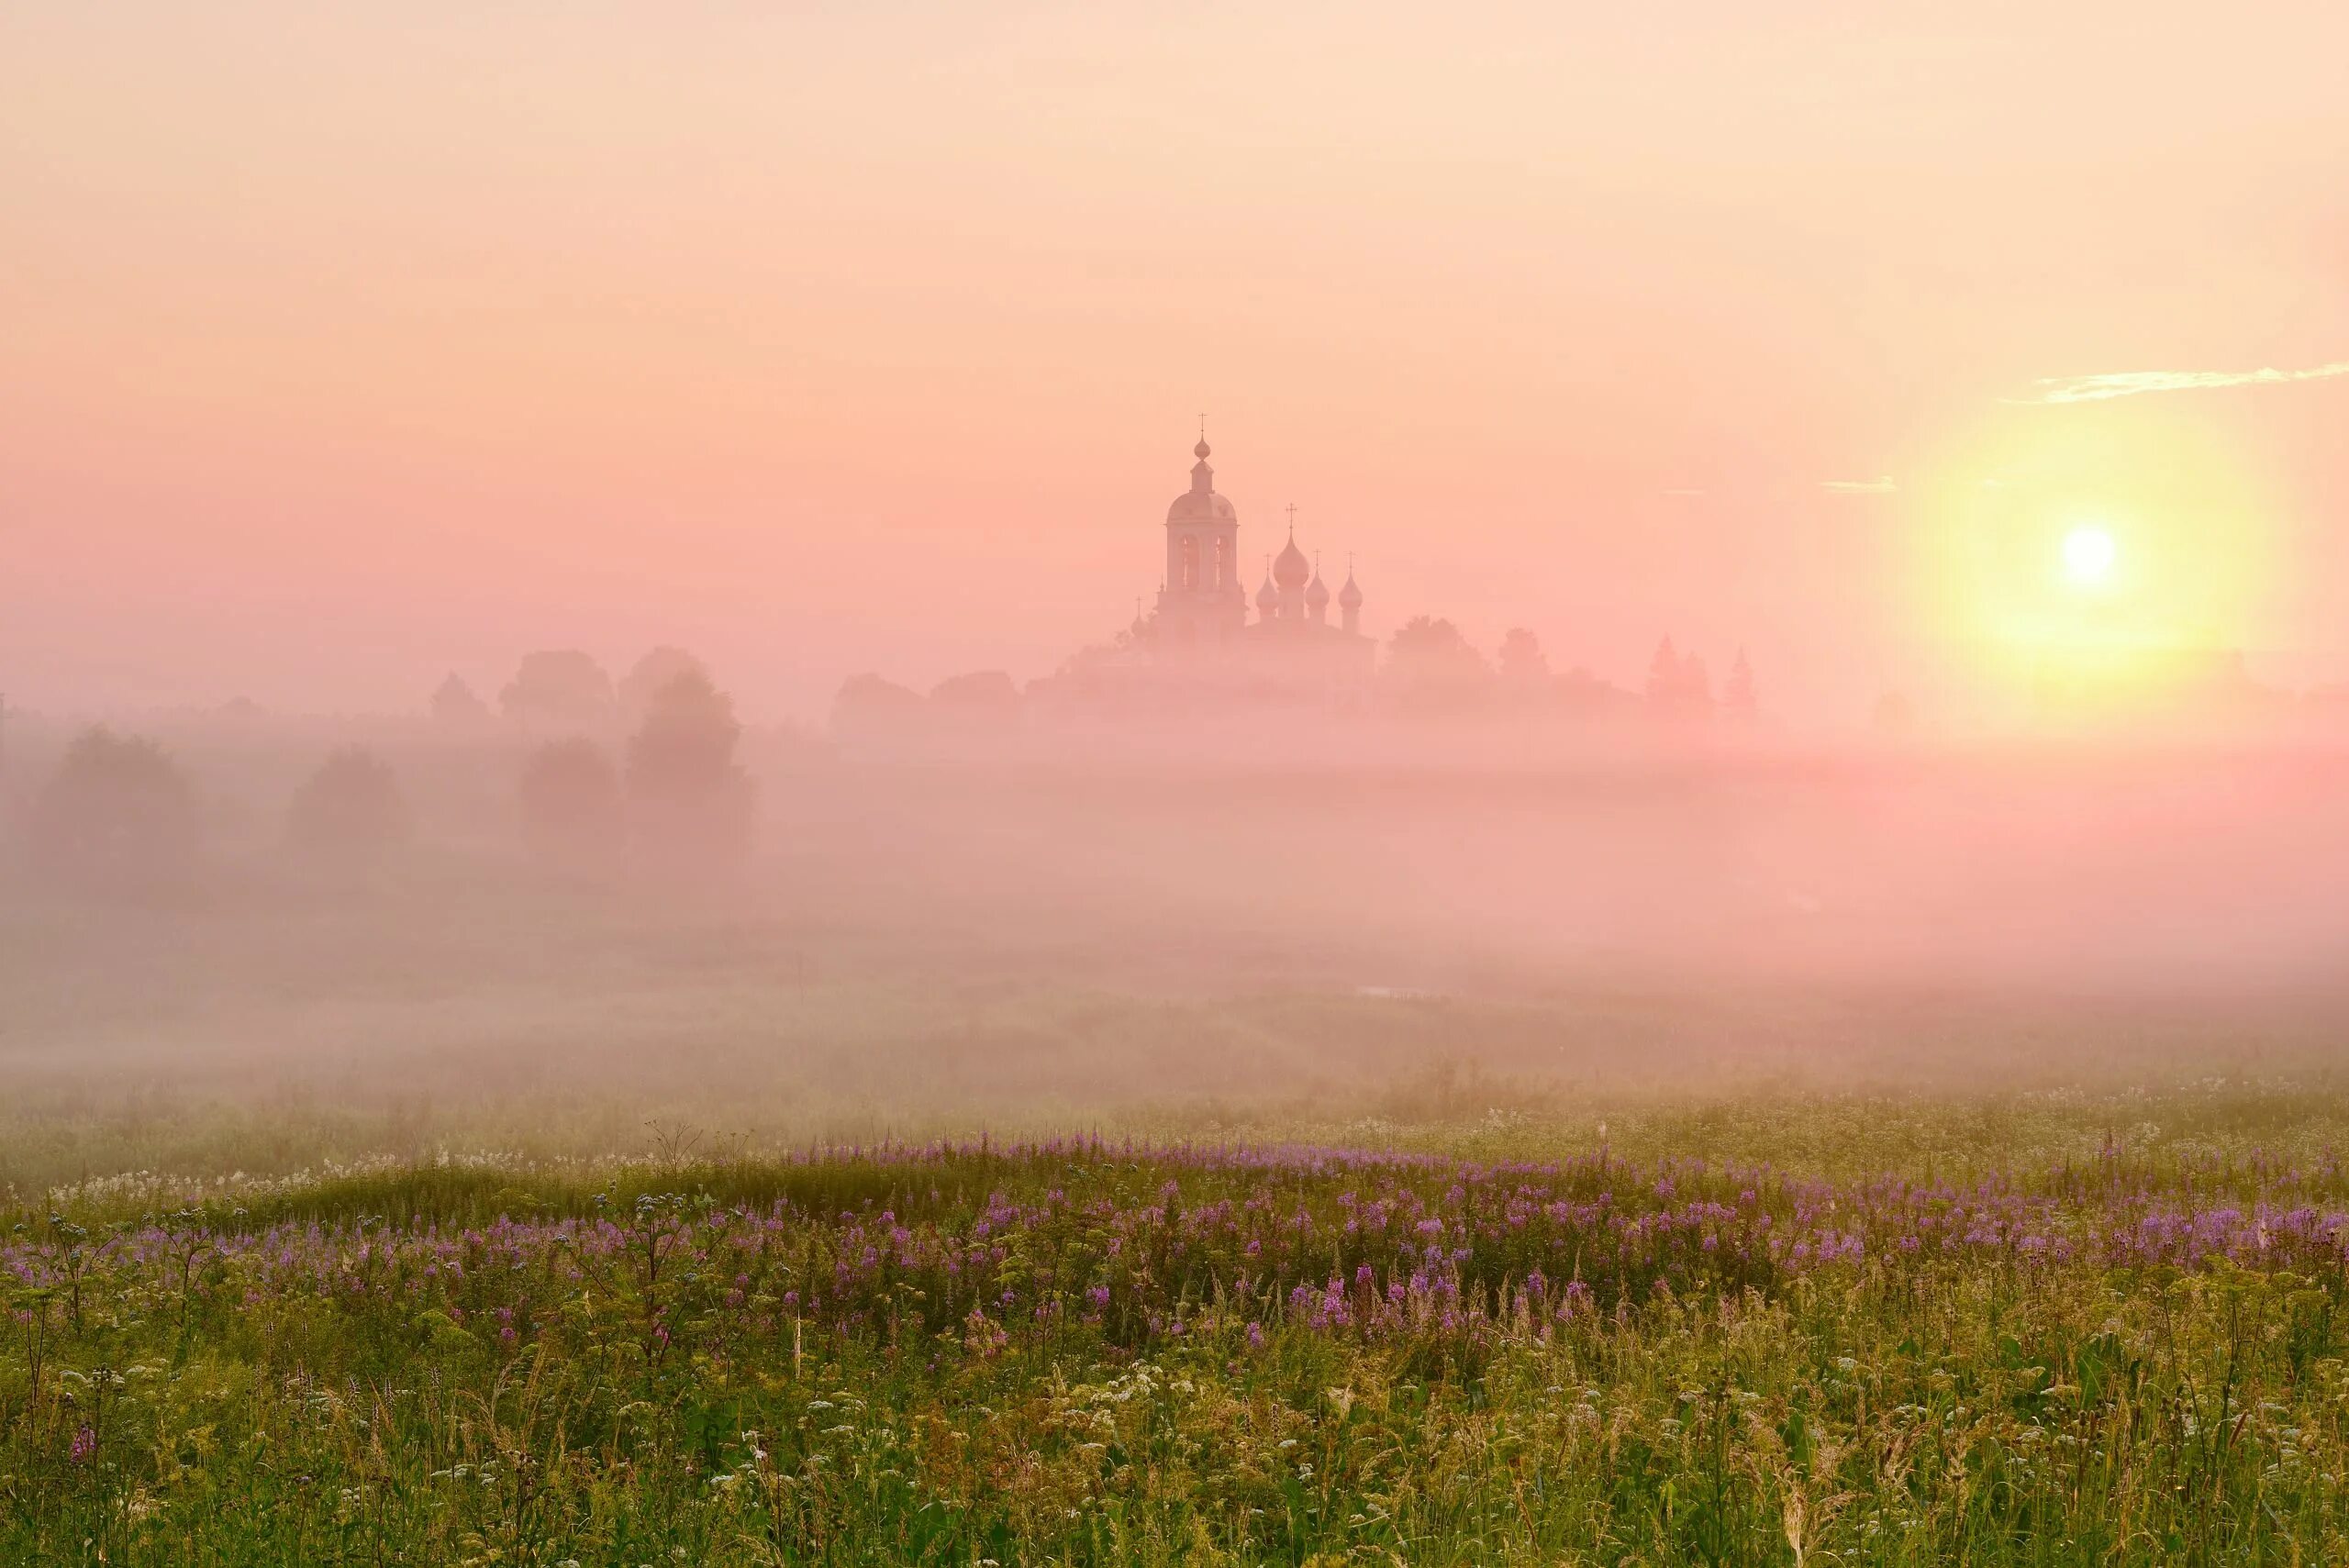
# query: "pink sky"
343,346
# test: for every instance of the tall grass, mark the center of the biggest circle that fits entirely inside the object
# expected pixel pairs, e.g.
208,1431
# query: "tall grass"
1087,1351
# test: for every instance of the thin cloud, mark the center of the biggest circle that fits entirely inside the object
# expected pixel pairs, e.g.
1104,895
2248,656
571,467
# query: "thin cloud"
1858,486
2130,384
1684,490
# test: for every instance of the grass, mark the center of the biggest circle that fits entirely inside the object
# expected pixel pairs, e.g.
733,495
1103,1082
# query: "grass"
535,1229
1482,1343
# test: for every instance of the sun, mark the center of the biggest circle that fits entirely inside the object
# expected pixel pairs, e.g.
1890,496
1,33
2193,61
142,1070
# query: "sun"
2088,554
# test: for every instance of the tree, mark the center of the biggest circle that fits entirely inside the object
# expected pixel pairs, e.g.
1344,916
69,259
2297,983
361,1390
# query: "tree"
1677,683
351,805
985,696
1737,692
867,704
1100,672
455,705
1430,664
1696,685
650,675
1525,669
1585,696
691,800
118,813
1663,675
570,800
559,689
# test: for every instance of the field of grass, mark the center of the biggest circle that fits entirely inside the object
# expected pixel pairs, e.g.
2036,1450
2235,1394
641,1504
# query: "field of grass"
271,1030
475,1224
1496,1339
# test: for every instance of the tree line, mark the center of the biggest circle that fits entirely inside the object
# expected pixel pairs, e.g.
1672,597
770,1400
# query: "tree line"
120,812
1430,667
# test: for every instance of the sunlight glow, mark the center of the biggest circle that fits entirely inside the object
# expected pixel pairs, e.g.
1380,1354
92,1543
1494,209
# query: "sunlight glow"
2088,555
2098,561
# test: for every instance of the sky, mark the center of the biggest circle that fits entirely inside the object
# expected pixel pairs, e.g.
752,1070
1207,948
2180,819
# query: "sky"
341,347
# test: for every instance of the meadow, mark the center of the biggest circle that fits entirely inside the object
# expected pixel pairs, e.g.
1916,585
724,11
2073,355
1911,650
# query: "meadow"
915,1208
1094,1351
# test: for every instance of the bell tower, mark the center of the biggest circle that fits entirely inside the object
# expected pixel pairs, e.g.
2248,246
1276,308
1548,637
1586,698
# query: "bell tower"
1201,600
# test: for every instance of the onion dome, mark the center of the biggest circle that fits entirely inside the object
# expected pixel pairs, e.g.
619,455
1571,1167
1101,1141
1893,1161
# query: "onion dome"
1268,598
1350,597
1317,592
1290,570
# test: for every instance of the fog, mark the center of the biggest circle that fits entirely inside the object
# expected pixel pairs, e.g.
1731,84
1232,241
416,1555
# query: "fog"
1975,433
1176,926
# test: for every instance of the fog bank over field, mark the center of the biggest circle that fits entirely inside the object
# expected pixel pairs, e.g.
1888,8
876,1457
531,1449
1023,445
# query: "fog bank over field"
947,939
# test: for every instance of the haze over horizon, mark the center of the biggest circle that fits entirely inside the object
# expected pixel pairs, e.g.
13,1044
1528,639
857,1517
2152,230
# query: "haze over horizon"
345,349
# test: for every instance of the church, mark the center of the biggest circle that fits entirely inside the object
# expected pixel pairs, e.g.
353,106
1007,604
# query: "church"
1200,628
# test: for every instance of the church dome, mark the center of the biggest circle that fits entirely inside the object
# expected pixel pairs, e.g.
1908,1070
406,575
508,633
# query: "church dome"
1317,594
1350,597
1291,568
1268,598
1201,504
